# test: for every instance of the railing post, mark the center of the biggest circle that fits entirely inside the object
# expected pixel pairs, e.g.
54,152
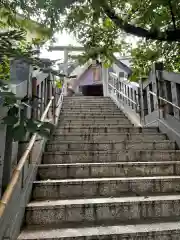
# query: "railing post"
175,99
155,87
49,93
105,79
159,106
55,96
148,100
141,101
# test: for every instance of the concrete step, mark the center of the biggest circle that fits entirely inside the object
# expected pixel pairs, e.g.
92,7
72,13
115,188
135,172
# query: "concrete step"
104,129
86,113
92,106
108,169
88,101
109,106
156,230
93,111
122,122
97,113
87,98
105,187
109,136
84,97
93,121
88,108
110,156
92,118
110,145
101,210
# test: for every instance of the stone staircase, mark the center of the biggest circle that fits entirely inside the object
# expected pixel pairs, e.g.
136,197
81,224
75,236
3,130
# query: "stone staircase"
102,178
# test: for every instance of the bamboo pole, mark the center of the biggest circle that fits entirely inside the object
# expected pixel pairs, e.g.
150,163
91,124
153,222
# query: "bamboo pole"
16,174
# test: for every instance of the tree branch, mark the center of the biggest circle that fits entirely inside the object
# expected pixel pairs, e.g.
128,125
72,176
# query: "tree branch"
169,35
172,14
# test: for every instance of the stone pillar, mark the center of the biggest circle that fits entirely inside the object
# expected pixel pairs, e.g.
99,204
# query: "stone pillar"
104,76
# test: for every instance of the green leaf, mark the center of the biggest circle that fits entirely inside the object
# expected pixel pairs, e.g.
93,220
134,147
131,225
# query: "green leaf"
13,111
48,125
108,23
44,132
58,84
32,126
19,132
10,120
10,100
107,64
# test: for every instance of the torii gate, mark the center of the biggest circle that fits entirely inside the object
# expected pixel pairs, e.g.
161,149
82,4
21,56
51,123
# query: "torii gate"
70,48
66,50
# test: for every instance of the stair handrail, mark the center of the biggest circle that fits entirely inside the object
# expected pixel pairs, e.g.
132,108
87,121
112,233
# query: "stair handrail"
17,171
163,99
126,96
122,94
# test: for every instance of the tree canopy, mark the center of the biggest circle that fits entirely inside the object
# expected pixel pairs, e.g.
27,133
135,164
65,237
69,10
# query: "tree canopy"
102,27
97,24
151,19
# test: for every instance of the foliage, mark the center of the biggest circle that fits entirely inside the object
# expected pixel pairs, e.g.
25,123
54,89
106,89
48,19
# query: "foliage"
148,52
16,118
102,36
59,83
14,46
153,19
13,20
99,25
97,33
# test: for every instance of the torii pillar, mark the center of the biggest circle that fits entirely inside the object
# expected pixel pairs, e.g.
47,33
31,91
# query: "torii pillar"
66,50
